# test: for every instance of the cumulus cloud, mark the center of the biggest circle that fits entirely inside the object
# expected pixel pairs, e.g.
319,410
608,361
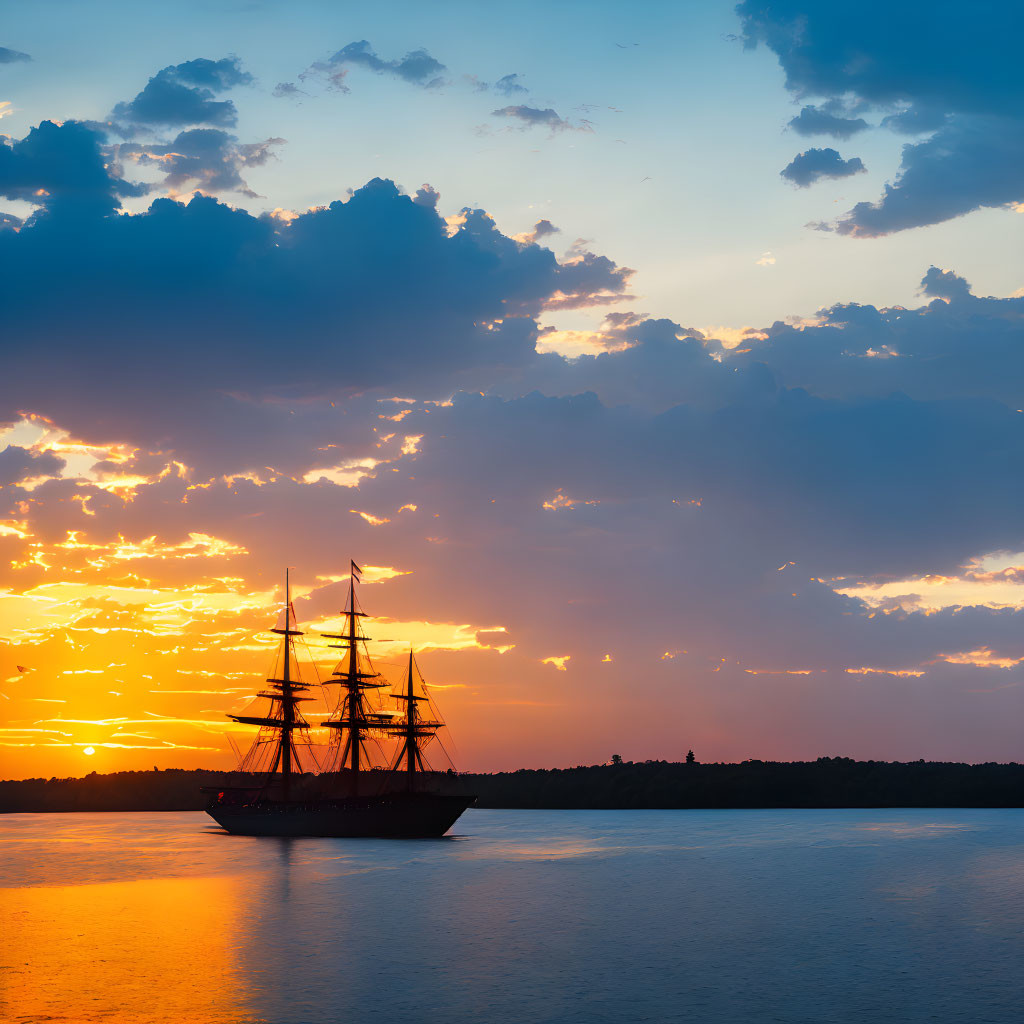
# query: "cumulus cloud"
374,292
62,167
944,284
184,94
8,56
970,163
815,164
417,67
207,160
958,345
820,121
946,72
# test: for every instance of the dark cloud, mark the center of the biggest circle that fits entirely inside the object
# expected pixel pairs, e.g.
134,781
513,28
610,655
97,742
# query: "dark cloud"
530,117
927,54
944,284
815,164
184,94
944,68
61,168
816,121
287,90
417,67
972,162
957,346
19,464
8,56
203,159
915,120
426,195
369,293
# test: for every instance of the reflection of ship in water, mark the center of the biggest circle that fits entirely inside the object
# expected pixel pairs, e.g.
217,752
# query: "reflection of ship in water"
360,791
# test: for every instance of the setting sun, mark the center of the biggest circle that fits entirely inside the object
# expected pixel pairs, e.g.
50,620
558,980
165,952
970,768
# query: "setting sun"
89,750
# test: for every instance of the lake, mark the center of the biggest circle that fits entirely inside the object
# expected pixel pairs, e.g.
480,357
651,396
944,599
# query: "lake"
523,916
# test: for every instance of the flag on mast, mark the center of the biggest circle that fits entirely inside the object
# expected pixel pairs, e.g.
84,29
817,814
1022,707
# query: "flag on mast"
356,572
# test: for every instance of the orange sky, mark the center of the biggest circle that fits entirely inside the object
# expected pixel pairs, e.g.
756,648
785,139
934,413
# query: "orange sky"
131,625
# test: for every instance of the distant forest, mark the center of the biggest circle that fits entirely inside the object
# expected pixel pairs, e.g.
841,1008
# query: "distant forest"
827,782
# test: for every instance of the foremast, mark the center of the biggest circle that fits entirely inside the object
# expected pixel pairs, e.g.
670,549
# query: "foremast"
414,732
354,718
283,719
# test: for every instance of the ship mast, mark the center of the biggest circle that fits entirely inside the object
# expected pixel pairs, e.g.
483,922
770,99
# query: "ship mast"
353,715
412,731
284,693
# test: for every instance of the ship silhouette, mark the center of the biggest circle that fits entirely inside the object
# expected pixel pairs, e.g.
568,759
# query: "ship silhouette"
351,795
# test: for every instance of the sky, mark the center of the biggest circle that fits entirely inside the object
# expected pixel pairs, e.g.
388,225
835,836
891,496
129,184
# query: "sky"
661,366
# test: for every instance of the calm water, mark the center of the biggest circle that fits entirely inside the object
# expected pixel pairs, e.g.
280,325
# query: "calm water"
526,917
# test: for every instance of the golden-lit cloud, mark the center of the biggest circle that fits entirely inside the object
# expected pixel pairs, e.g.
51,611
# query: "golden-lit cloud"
347,474
393,637
560,500
370,574
912,673
992,581
558,660
982,657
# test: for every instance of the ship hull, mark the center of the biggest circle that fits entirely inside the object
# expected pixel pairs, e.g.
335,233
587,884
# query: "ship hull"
392,816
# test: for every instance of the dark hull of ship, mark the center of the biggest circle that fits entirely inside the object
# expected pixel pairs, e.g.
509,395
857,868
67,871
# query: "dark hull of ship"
391,816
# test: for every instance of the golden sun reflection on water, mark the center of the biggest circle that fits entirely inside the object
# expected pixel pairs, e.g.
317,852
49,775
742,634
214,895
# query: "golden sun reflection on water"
149,950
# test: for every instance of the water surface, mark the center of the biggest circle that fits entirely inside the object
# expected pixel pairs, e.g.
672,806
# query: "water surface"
524,917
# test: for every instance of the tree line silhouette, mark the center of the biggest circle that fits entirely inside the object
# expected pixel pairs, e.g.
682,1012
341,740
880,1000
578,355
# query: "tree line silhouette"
826,782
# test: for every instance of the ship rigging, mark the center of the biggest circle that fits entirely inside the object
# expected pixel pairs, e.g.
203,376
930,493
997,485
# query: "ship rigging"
396,796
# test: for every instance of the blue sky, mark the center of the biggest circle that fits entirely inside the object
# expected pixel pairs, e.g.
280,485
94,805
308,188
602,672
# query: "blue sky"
701,117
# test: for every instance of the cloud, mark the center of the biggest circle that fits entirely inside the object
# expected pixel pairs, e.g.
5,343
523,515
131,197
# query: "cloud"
509,85
531,117
374,292
287,90
17,464
184,94
542,229
944,284
417,67
970,163
817,121
958,345
815,164
8,56
62,168
944,73
203,159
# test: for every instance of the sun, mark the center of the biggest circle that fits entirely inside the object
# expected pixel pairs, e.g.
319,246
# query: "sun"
89,750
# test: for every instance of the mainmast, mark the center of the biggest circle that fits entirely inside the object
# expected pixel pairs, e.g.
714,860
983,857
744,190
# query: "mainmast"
413,731
284,694
354,715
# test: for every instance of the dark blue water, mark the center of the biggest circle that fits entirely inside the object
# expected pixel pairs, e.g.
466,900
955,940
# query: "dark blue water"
526,917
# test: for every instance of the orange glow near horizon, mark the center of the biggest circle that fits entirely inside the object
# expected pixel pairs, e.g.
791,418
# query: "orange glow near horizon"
135,609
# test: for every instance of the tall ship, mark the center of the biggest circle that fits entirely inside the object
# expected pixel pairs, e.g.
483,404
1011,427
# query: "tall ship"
359,789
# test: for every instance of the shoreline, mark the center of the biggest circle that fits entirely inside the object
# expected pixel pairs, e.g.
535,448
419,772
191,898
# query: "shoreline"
833,783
